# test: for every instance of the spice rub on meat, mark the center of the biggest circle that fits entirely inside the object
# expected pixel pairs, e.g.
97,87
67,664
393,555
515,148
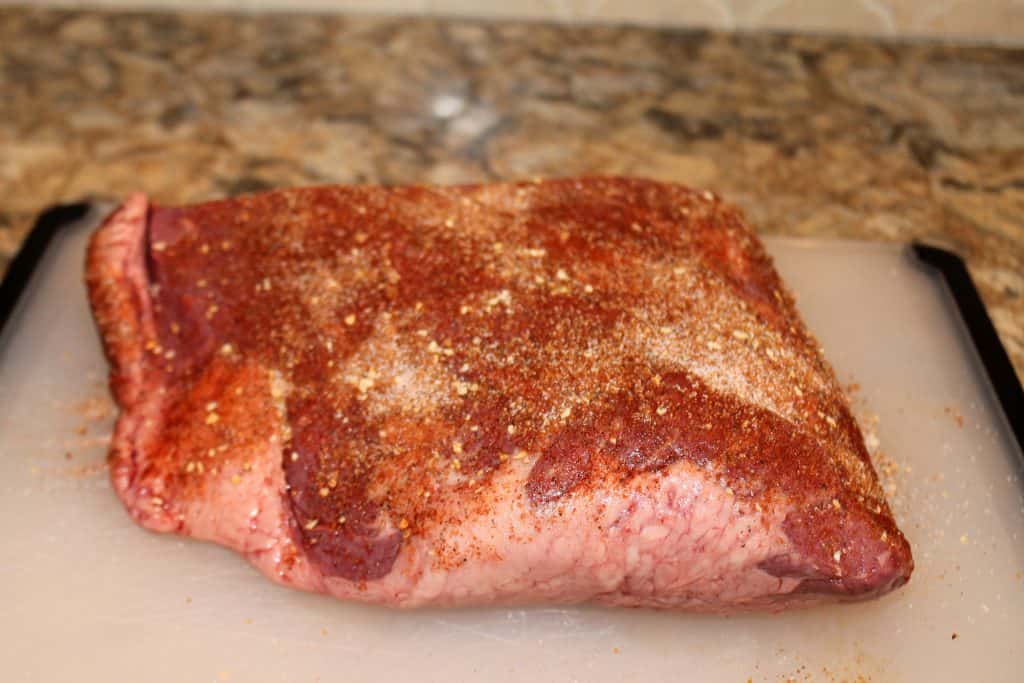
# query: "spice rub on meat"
557,391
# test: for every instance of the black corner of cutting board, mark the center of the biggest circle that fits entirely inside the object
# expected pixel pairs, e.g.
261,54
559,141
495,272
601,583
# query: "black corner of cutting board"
1000,370
19,272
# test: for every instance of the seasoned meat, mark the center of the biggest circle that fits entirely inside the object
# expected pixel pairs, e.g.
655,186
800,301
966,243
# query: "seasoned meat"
570,390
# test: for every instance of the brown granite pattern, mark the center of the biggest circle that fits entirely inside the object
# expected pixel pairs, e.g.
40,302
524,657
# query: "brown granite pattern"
812,136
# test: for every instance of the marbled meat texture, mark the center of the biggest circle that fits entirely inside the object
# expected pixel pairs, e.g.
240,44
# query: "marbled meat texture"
539,392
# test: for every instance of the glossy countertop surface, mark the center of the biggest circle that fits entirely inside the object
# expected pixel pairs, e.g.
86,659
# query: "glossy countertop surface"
811,136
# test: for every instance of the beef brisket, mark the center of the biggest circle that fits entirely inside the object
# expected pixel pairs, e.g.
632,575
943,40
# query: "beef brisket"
555,391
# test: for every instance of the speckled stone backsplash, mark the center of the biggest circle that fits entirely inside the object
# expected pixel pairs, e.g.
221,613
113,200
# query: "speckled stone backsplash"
811,136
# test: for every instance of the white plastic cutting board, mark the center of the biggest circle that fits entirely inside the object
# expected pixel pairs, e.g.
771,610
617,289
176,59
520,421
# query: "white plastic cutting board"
87,596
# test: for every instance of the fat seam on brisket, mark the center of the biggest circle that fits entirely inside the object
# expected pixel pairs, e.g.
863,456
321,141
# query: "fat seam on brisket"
559,391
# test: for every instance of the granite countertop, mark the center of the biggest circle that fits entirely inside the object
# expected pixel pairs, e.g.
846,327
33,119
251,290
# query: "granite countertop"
815,136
